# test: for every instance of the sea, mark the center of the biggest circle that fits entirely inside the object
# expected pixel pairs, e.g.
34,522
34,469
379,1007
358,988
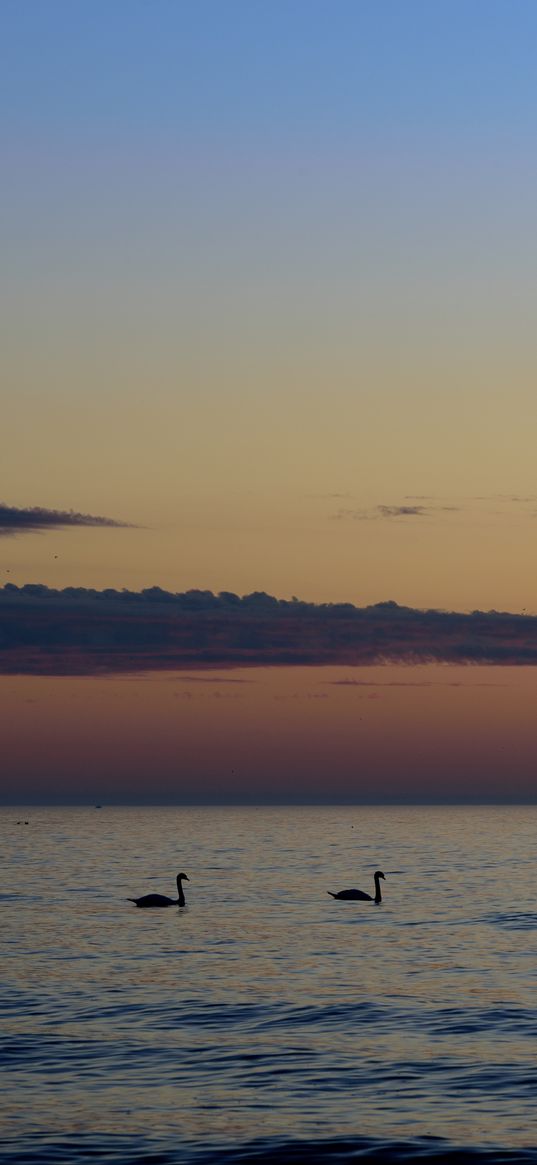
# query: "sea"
266,1021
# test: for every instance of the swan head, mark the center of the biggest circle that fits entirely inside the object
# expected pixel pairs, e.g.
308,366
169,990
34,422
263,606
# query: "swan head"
185,878
379,874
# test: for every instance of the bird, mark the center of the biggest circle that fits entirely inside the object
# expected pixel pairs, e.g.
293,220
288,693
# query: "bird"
360,895
162,899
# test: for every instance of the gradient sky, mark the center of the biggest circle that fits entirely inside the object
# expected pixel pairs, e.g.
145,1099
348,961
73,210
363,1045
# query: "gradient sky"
273,735
268,297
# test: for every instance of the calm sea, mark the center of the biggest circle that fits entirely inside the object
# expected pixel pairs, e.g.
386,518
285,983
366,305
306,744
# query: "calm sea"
266,1021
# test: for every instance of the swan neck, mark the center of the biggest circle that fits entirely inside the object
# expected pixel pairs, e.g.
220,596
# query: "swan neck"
378,895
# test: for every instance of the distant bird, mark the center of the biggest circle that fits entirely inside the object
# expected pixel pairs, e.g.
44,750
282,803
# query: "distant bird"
161,899
360,895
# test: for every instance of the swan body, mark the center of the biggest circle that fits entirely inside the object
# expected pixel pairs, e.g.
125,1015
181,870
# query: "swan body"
162,899
360,895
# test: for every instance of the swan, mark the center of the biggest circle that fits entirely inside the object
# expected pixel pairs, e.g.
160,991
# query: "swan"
359,895
161,899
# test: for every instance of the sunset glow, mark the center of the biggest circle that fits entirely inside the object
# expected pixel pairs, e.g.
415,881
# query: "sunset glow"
268,276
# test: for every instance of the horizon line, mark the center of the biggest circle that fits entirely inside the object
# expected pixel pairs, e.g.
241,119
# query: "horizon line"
294,804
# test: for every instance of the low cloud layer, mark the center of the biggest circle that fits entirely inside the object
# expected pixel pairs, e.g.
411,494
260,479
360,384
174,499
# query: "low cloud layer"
14,520
77,631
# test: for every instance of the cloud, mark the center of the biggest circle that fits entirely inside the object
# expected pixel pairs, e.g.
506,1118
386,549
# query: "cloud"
376,513
402,511
405,684
77,631
502,506
516,498
209,680
14,520
338,496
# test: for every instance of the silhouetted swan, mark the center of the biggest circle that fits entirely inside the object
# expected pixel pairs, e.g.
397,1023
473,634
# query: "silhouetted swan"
161,899
359,895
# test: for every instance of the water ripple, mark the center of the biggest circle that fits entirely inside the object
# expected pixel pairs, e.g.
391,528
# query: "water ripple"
266,1023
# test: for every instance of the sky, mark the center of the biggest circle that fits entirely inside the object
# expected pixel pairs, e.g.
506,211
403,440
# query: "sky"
267,324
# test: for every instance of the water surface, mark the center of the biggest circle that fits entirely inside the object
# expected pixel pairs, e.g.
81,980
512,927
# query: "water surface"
267,1021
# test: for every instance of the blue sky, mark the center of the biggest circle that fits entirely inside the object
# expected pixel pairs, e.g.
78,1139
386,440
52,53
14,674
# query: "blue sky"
248,67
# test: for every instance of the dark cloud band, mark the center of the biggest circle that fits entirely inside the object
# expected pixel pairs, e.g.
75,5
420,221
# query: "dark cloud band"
14,520
84,632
